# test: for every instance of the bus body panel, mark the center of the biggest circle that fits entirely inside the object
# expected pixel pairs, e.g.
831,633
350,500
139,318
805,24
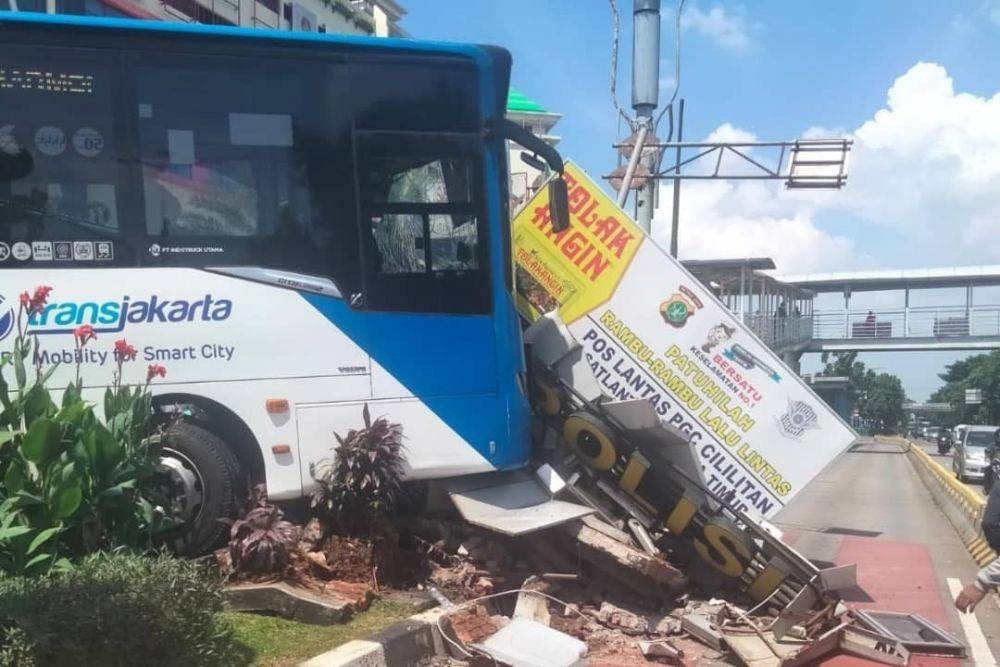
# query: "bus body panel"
256,342
455,381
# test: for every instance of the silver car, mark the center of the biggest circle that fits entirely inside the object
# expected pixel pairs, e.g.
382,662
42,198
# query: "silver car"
968,458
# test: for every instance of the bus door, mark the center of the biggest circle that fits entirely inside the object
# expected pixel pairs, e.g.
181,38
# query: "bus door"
427,294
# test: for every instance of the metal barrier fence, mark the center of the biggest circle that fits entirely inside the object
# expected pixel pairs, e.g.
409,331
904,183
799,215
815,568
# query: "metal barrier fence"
777,331
942,323
963,506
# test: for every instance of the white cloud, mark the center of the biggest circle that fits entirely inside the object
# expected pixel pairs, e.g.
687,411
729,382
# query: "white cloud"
728,30
926,166
992,10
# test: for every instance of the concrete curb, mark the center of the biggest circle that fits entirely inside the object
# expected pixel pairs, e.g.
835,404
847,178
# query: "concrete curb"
963,507
404,643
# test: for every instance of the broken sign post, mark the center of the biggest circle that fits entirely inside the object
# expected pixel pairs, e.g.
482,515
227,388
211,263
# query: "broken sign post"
650,330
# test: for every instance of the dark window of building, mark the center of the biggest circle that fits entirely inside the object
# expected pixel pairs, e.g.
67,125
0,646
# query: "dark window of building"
30,6
60,199
273,5
86,8
198,12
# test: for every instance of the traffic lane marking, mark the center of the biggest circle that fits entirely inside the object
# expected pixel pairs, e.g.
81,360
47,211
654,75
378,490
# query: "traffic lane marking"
979,648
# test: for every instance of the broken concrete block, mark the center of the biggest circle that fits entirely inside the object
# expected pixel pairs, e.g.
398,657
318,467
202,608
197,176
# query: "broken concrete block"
660,649
299,604
623,620
700,627
312,535
668,625
533,606
642,573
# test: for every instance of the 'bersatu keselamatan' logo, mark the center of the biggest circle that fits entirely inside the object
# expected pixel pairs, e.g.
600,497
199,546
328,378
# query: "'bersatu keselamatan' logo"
681,305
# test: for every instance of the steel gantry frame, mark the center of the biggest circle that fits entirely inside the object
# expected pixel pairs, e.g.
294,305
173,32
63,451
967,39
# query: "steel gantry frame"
802,163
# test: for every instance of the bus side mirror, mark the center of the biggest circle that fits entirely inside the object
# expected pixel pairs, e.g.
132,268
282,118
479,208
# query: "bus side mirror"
558,204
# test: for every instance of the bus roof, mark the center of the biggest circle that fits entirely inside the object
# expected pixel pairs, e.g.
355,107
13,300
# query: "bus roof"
493,60
168,27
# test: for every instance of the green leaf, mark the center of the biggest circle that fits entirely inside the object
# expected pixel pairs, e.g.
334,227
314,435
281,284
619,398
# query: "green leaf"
13,531
71,395
4,387
40,558
109,403
42,537
37,403
63,565
6,436
19,373
72,413
65,499
42,442
104,449
117,489
14,478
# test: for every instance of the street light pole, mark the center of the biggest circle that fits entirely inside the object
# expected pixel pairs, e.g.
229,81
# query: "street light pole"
674,220
646,92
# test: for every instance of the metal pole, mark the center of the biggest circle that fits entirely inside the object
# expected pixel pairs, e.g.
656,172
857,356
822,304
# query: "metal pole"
646,91
633,162
675,220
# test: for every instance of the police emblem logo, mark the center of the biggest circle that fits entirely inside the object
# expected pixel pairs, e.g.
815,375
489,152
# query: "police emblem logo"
679,308
799,418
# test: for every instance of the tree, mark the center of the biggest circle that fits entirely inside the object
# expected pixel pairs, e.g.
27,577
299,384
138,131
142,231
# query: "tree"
982,372
883,403
880,396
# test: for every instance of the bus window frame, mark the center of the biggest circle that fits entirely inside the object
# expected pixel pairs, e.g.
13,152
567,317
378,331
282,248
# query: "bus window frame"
471,147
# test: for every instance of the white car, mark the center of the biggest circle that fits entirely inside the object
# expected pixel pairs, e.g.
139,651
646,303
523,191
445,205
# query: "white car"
968,459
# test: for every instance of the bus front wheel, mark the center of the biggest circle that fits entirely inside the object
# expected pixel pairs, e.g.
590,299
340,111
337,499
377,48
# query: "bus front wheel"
204,477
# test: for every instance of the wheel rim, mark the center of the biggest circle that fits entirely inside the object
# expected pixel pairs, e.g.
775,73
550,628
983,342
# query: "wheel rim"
186,484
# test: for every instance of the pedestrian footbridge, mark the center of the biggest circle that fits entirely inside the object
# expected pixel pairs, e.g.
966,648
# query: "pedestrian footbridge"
782,309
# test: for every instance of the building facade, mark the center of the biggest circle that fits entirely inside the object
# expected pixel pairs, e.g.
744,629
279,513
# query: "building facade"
353,17
524,178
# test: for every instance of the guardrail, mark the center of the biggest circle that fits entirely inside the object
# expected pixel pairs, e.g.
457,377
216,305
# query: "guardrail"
779,331
914,322
963,506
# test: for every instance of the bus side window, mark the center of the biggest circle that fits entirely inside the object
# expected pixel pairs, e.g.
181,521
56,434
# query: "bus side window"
422,225
243,163
60,196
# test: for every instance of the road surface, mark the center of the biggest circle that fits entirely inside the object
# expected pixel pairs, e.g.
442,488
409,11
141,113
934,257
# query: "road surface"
869,507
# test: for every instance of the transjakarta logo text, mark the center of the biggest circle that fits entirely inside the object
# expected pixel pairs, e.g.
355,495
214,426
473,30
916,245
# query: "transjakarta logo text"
111,316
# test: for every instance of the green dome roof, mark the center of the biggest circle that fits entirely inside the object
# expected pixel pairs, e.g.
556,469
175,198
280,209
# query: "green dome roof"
520,103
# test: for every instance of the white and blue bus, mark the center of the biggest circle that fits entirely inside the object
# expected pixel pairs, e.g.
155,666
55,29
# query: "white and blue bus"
292,224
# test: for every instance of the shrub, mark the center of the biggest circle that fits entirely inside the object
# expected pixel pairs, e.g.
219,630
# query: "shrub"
72,483
361,485
262,542
116,609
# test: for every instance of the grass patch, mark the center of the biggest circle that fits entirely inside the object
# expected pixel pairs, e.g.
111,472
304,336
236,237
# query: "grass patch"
276,642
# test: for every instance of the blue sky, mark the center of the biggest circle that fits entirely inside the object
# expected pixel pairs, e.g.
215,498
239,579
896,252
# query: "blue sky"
925,174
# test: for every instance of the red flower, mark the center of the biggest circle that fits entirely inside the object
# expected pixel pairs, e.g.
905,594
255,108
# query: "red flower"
124,351
36,303
83,333
154,371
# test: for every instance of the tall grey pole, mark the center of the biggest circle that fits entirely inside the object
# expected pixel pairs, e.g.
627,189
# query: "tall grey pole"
646,91
675,219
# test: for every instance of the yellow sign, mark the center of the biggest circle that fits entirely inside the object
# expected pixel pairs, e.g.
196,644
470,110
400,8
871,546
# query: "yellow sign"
579,268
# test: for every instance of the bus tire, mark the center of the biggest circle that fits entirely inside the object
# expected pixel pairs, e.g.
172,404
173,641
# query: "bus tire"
549,399
203,467
591,439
